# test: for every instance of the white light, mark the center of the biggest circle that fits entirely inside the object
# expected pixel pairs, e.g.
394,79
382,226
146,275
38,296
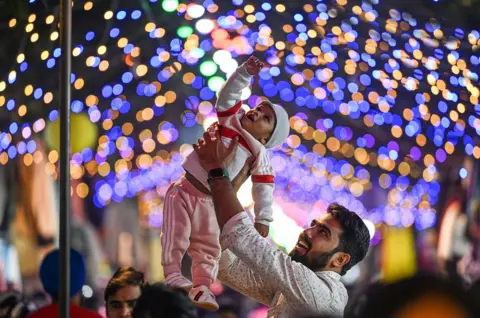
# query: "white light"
195,11
207,122
222,57
370,227
351,276
87,291
285,230
205,26
244,194
229,67
246,92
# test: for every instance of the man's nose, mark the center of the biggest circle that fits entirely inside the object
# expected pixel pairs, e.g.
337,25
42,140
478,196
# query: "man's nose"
309,232
126,312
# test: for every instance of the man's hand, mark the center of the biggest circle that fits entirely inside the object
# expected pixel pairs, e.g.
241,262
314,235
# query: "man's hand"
212,152
254,65
262,229
243,175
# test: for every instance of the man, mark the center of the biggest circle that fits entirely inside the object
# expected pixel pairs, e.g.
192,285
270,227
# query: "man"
50,278
122,292
158,300
307,281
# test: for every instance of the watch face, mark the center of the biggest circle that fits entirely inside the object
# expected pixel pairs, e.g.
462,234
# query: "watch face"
216,173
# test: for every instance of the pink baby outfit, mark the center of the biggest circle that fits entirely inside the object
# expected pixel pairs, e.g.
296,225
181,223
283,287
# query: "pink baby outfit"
190,223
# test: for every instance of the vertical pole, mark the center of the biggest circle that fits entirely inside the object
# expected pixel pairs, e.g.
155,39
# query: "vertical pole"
64,105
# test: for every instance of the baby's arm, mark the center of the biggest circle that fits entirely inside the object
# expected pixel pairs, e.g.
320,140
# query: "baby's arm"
262,192
230,95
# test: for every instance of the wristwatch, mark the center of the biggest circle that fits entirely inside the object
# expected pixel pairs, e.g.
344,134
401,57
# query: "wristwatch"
217,173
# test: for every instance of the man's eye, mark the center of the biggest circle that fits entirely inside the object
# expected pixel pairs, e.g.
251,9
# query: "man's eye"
131,304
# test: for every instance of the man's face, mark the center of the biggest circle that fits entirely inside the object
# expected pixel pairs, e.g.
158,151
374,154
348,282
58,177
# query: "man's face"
317,246
259,122
121,304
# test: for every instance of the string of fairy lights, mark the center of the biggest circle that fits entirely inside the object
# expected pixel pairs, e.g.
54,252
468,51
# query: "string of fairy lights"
329,64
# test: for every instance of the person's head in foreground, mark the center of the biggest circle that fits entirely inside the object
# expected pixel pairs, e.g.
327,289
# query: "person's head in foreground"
335,242
418,297
123,291
158,300
50,275
268,122
13,305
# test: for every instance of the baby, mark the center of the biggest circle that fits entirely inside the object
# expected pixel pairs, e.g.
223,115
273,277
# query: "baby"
189,222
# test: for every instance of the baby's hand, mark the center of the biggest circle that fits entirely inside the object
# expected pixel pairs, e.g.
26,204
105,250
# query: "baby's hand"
254,65
262,229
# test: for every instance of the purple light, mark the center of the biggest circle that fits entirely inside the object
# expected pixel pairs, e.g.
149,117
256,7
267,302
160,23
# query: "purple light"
415,153
441,155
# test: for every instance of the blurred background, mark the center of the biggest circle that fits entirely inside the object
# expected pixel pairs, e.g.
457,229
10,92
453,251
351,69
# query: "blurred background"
385,119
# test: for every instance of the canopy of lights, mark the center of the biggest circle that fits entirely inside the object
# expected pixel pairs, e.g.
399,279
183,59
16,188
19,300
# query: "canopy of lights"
377,98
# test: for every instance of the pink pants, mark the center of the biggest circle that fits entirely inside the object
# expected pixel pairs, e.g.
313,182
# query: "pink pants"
190,224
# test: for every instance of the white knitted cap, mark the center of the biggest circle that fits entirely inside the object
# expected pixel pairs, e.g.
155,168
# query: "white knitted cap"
282,127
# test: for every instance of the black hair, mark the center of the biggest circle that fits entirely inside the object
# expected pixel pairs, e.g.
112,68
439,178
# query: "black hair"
158,300
355,238
123,277
13,305
385,300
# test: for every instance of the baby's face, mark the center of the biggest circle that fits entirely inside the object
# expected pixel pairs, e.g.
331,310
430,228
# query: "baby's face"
260,122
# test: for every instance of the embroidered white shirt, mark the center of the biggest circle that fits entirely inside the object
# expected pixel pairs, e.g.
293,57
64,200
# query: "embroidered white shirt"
252,266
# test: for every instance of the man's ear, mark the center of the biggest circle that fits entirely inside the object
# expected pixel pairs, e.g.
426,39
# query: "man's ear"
340,259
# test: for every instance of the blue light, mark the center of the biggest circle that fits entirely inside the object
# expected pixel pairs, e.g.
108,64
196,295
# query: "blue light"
107,91
260,16
38,93
298,17
328,123
11,104
155,61
22,147
12,152
31,146
53,115
266,6
114,32
206,93
117,89
51,62
57,52
127,77
77,106
136,14
90,36
121,15
23,67
128,48
463,173
13,128
96,61
125,108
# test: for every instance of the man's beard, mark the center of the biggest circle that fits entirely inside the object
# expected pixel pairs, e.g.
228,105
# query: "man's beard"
314,262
